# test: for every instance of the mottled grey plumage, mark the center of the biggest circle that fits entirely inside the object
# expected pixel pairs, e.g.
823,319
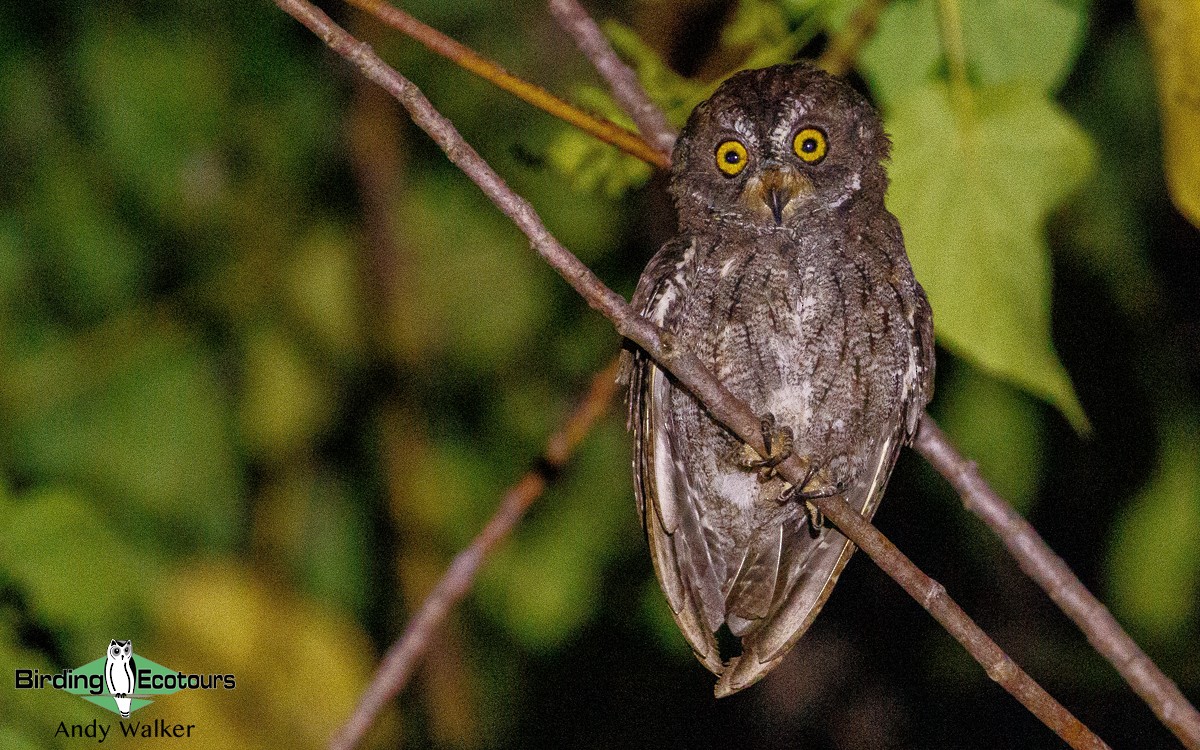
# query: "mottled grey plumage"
789,279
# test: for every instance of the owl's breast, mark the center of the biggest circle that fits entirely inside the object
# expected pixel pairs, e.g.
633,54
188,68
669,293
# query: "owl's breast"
805,332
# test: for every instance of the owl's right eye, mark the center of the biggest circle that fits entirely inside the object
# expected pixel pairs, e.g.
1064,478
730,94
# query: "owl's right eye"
731,157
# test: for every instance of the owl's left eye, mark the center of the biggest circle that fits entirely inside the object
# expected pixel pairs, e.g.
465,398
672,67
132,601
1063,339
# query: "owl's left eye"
731,157
810,145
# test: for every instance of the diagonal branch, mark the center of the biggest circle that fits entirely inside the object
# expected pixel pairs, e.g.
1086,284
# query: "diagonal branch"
438,43
650,120
1054,577
405,654
693,375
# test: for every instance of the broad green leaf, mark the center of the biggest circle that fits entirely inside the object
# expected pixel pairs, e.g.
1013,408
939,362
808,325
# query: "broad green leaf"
323,289
1154,559
1032,42
592,165
972,190
1174,30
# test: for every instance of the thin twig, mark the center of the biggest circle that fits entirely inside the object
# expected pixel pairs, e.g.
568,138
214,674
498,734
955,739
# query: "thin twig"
622,81
406,653
467,58
843,48
1054,577
726,408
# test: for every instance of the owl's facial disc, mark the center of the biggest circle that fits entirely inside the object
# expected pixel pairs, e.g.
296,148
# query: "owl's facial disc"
776,193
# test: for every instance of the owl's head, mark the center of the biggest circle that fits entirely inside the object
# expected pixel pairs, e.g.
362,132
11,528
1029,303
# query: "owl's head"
774,147
120,650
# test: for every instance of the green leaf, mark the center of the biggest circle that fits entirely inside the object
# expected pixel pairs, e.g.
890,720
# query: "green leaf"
1155,554
594,166
75,568
1106,222
133,412
1032,42
323,289
972,191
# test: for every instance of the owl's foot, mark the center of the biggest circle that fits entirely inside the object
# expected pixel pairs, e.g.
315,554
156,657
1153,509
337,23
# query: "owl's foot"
816,486
778,442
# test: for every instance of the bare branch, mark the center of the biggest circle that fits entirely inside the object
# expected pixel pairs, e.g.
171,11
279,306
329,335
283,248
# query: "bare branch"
406,653
468,59
622,81
1052,574
843,49
692,374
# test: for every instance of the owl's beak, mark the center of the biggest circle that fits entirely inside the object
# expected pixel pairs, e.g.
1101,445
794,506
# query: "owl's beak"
777,188
777,198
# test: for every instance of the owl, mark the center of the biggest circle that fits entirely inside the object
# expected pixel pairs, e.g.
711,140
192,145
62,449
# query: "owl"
788,278
118,674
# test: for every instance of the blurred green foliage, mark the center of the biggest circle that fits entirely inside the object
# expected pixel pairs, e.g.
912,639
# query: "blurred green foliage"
267,362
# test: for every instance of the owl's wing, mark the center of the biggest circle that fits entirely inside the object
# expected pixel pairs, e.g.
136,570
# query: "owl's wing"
922,361
793,595
674,533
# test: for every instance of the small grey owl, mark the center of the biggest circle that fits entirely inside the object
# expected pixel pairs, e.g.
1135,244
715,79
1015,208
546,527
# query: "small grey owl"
118,674
789,280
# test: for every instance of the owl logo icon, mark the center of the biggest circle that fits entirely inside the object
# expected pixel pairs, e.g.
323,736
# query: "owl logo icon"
118,674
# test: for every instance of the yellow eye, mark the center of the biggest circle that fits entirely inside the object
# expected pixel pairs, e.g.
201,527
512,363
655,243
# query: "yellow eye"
810,145
731,157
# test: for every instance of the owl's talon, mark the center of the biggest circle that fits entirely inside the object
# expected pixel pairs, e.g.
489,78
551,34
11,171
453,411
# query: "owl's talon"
816,519
778,442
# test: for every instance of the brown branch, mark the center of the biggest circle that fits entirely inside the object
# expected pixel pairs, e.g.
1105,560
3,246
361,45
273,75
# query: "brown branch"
1052,574
465,57
692,374
843,48
622,81
406,653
